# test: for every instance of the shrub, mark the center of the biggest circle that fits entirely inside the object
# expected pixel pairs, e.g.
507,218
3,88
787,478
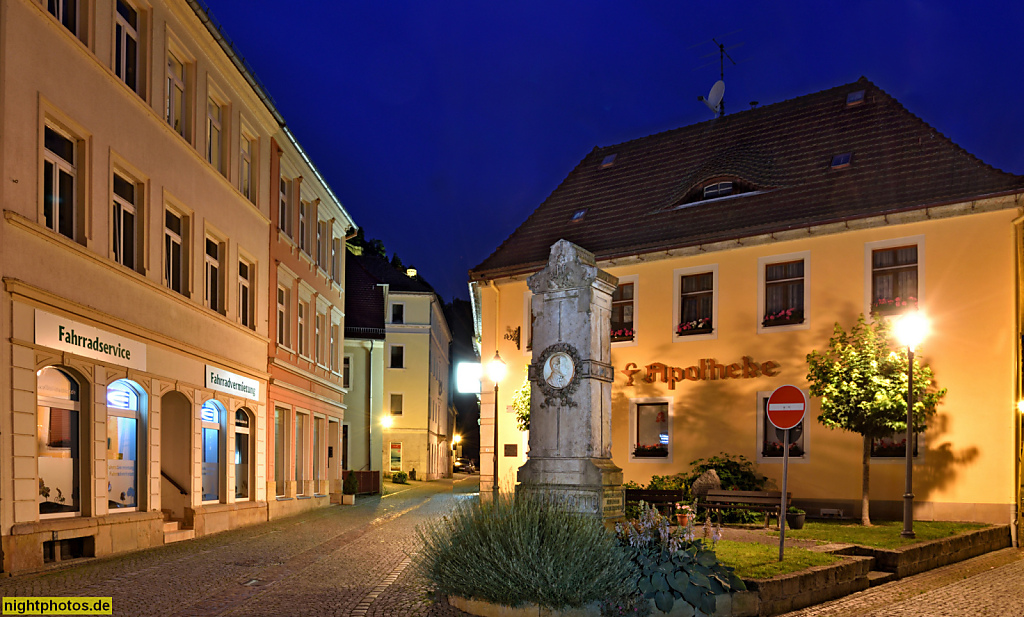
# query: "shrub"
351,484
513,551
400,477
735,472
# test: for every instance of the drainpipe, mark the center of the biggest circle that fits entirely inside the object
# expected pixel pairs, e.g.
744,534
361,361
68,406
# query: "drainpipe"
369,411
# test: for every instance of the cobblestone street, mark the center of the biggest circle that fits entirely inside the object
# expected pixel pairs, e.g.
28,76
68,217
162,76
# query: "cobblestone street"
339,560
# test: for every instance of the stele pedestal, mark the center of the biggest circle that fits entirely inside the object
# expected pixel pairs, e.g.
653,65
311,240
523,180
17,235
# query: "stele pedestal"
571,387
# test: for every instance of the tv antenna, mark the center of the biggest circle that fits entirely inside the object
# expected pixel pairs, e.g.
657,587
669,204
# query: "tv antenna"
716,97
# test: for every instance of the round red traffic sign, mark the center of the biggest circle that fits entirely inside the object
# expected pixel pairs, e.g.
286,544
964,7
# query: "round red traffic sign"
786,407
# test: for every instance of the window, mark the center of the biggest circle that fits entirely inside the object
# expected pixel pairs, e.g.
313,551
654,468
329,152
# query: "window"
323,234
335,339
280,443
784,293
304,222
894,446
303,333
212,414
396,404
246,180
213,296
66,12
176,99
650,429
284,213
124,228
126,44
773,440
855,98
841,160
894,279
59,445
60,175
214,134
346,372
300,454
246,302
124,402
608,161
397,356
398,313
242,452
622,312
718,189
283,317
697,307
336,257
578,215
318,440
175,257
318,338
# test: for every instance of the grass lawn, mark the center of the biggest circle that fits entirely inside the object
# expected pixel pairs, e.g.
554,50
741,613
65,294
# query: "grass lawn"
885,534
754,560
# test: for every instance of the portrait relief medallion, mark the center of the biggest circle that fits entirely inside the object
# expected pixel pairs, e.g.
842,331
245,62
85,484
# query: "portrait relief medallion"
559,370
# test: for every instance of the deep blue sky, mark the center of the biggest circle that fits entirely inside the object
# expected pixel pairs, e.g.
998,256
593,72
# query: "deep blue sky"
442,125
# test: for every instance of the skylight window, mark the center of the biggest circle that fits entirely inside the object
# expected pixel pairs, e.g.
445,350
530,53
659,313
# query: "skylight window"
718,189
841,160
855,98
608,161
578,215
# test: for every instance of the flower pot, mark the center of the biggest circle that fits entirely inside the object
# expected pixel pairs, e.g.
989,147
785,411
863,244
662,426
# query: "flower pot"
795,521
682,519
348,500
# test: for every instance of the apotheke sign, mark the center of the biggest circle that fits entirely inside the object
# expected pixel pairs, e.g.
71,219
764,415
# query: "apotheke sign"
230,383
60,333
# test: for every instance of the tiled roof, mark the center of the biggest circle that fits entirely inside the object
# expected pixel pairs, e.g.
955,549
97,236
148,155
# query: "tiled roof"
783,152
364,301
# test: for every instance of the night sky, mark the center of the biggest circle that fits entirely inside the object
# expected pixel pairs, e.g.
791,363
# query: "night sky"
442,125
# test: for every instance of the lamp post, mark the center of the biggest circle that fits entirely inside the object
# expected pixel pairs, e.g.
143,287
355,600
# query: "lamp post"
910,330
496,372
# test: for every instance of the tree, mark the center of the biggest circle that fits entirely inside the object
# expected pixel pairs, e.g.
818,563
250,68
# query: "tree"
521,405
862,381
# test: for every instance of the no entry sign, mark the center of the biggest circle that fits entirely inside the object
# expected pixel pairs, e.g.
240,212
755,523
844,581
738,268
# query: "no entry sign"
786,407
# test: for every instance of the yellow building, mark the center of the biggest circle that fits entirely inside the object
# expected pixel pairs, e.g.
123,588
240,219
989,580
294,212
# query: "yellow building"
738,244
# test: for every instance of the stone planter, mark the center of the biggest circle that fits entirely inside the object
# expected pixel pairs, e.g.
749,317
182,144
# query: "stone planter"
348,500
795,521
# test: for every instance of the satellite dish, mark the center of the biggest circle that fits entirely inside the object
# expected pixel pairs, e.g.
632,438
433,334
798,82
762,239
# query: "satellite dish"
714,100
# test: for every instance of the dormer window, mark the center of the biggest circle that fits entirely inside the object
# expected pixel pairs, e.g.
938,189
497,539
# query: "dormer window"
578,215
855,98
608,161
718,189
841,160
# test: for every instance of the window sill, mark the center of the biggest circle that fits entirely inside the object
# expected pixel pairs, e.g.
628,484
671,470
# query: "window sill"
283,498
303,496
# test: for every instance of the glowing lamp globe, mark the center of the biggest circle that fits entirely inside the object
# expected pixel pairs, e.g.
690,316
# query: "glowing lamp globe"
911,329
496,368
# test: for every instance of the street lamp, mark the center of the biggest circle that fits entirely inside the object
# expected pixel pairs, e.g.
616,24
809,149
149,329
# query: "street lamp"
496,372
910,331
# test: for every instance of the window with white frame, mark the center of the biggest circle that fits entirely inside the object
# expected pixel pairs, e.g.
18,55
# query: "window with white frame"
346,372
175,251
60,178
246,301
623,306
126,44
125,401
397,313
304,222
213,415
650,429
283,317
301,422
335,340
695,309
397,400
323,235
215,134
66,12
124,227
397,356
303,328
894,279
318,338
783,291
59,441
772,440
245,443
284,211
213,292
246,179
280,450
337,254
177,100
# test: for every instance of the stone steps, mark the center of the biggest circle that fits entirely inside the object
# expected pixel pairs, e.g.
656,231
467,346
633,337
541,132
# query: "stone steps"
173,531
876,577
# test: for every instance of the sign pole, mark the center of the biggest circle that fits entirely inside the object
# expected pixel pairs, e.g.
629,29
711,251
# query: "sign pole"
782,512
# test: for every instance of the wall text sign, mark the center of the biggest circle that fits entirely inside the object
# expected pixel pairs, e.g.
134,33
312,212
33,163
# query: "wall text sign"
60,333
707,369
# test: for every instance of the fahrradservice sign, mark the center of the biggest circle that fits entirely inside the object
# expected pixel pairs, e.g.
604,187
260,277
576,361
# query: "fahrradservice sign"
67,335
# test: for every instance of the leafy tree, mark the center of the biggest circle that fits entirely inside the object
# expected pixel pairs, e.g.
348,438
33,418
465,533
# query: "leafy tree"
521,405
862,381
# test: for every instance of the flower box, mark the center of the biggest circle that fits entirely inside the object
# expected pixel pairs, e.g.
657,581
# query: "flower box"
697,326
622,334
784,317
650,452
774,449
886,306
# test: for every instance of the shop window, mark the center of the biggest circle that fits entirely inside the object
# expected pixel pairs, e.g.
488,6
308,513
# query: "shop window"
397,356
346,372
126,44
125,403
283,317
280,449
213,291
176,252
397,401
318,442
696,303
623,307
243,449
773,440
176,108
215,134
284,209
58,408
60,178
125,226
894,446
398,313
894,280
66,12
246,179
650,430
300,453
246,301
783,294
212,415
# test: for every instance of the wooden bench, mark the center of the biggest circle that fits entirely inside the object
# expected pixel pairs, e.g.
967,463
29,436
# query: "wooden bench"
663,500
768,502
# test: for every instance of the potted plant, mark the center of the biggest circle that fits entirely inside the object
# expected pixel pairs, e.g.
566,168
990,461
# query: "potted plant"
684,512
697,326
795,517
783,317
349,488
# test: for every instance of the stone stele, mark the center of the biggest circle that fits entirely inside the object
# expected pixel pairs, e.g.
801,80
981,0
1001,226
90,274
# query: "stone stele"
571,376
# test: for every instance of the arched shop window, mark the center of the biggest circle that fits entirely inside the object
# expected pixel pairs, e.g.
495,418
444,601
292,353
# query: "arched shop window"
125,402
59,447
212,414
243,451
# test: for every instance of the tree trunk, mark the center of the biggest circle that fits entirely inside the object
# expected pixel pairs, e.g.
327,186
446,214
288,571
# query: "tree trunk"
865,517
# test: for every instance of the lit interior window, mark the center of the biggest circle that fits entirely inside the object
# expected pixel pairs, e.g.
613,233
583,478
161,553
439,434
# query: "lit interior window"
841,160
718,189
608,161
578,215
854,98
120,396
